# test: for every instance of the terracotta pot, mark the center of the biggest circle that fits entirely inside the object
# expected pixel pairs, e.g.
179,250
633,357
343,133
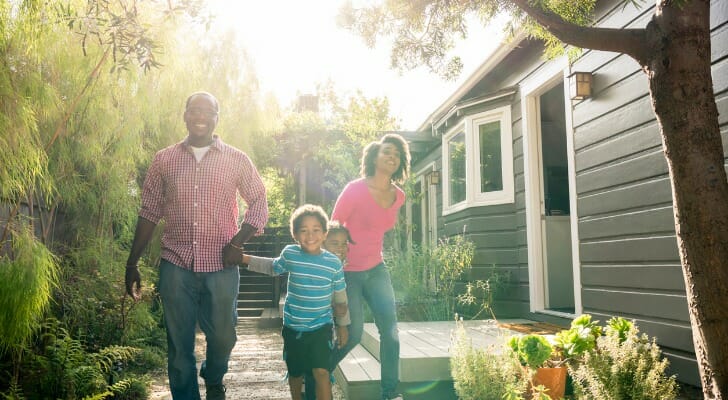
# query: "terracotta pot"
554,379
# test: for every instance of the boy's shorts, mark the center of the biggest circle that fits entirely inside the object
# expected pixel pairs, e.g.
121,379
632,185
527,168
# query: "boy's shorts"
304,351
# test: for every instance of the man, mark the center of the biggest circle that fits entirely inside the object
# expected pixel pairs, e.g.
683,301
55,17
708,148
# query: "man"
193,186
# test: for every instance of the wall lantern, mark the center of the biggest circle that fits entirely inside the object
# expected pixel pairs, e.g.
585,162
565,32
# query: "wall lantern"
434,177
580,85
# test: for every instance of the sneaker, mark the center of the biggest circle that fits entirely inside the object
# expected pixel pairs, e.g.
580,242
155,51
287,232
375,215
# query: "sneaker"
394,397
215,392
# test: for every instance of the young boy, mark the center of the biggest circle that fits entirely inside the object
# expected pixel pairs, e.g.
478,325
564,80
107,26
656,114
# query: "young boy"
315,278
337,242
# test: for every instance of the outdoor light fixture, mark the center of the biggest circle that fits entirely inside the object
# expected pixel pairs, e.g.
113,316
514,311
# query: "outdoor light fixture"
580,85
434,177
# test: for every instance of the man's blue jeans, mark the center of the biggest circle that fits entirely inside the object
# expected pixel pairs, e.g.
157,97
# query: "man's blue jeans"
375,287
189,298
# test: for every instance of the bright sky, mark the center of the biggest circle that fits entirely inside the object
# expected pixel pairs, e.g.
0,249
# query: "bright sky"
296,44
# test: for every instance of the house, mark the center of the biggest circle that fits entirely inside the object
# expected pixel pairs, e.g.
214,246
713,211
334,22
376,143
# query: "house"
568,197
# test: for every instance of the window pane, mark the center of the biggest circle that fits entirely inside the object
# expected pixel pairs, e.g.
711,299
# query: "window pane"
491,172
456,150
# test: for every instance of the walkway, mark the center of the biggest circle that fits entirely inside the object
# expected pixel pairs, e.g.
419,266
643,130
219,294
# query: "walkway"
256,367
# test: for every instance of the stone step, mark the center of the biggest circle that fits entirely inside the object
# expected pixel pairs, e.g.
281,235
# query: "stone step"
250,312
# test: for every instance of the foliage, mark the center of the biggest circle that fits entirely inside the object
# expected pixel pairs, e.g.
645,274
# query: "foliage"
425,32
77,141
580,338
621,364
452,257
532,350
58,366
425,279
625,365
483,373
27,276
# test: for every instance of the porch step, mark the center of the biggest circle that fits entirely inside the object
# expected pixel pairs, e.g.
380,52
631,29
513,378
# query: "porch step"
424,365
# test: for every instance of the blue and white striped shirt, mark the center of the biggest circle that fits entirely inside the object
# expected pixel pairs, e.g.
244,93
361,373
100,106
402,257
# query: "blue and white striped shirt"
312,281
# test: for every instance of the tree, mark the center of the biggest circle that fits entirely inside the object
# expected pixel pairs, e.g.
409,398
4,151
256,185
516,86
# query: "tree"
674,53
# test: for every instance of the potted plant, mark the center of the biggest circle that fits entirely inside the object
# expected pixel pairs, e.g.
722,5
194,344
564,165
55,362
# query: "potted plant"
543,365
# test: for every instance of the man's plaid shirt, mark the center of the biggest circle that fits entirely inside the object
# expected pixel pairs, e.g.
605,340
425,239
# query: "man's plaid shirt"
198,202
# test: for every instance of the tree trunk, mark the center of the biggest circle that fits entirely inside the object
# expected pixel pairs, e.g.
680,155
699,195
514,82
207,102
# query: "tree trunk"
678,68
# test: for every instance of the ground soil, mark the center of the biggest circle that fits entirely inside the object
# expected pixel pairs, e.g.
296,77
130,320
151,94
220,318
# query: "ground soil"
256,372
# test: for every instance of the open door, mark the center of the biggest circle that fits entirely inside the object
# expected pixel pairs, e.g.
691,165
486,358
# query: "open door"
549,219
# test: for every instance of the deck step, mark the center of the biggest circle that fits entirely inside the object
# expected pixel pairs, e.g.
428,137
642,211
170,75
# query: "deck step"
424,365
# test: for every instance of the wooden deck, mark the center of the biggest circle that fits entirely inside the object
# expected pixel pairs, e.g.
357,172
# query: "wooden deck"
424,357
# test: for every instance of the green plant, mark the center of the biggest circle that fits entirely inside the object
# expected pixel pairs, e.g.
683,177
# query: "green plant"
451,257
580,338
623,365
483,373
533,351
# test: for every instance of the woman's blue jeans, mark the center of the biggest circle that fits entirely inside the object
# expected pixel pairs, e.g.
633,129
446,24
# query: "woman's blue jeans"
375,287
189,298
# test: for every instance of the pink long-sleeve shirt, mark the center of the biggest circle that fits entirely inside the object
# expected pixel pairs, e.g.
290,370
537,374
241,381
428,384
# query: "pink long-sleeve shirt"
367,222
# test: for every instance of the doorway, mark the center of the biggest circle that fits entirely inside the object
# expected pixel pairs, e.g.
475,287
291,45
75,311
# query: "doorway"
549,203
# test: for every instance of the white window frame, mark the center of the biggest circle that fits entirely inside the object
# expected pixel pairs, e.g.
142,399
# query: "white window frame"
473,196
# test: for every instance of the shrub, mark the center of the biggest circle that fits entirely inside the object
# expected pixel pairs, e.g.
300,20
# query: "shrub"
483,373
624,365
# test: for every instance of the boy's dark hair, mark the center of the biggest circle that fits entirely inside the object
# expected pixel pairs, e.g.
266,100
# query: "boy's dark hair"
305,211
369,157
335,227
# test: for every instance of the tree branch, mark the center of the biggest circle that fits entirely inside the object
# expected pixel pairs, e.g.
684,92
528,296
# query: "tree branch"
628,41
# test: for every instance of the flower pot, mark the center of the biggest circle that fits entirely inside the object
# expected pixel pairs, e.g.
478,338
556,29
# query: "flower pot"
553,379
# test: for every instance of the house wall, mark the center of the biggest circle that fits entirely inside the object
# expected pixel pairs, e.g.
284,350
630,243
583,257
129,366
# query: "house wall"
629,262
629,259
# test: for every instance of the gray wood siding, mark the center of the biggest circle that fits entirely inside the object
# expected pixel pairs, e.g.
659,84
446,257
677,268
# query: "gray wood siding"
629,259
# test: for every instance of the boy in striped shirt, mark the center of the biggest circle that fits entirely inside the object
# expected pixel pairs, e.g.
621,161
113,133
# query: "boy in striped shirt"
315,278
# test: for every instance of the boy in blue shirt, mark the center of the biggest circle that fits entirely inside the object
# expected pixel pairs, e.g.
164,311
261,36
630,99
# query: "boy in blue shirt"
315,278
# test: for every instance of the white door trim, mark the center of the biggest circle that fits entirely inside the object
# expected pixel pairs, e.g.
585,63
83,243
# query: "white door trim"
531,88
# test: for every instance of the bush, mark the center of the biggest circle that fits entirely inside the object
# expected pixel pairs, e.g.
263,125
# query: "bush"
483,373
624,365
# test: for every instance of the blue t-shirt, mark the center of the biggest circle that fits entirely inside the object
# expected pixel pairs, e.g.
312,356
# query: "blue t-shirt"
312,281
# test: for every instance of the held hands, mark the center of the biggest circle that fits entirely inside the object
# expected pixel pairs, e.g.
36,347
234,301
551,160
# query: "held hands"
232,255
342,335
131,277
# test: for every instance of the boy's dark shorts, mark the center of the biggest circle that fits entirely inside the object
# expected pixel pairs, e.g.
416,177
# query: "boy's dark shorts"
304,351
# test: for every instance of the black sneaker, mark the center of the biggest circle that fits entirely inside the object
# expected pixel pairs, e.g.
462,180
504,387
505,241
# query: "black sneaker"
215,392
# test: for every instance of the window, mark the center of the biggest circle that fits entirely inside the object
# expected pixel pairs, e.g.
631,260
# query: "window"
478,161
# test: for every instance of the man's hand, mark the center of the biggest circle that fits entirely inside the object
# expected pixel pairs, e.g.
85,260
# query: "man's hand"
131,277
232,255
342,335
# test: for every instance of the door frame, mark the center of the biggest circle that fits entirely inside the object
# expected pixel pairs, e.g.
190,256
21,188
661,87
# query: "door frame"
548,75
431,212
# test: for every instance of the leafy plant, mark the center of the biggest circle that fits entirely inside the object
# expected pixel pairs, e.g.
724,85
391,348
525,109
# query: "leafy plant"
483,373
624,365
579,339
532,350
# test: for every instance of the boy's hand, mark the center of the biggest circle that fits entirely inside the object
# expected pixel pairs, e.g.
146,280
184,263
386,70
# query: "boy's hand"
231,255
342,335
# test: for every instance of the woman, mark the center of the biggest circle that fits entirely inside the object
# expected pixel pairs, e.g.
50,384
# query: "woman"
368,208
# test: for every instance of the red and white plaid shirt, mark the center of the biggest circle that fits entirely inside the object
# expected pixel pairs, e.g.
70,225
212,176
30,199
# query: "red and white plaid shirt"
198,201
